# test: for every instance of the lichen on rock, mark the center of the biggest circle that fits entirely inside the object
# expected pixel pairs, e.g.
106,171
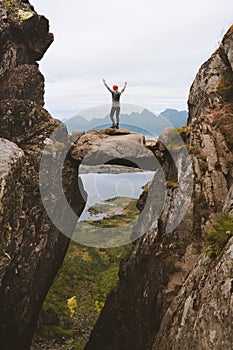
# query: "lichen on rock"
24,15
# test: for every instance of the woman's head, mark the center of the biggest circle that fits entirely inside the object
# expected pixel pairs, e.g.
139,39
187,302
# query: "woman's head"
115,87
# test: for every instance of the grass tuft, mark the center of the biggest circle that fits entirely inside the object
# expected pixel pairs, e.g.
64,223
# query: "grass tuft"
219,235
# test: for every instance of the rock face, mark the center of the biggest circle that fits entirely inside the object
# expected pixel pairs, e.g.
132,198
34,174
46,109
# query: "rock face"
32,248
200,317
170,295
113,146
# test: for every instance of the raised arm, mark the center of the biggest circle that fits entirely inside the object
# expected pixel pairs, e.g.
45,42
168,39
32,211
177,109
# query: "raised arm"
104,81
124,87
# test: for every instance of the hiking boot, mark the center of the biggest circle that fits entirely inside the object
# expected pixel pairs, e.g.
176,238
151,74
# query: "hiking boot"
117,126
113,126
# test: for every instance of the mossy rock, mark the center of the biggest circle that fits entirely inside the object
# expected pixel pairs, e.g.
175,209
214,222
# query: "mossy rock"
218,236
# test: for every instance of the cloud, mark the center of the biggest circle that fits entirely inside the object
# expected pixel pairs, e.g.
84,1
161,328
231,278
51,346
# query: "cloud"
156,45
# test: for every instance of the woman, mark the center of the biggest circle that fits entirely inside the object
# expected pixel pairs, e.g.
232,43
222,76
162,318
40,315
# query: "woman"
115,103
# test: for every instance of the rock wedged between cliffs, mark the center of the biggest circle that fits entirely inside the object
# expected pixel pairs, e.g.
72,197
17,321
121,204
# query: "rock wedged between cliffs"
113,146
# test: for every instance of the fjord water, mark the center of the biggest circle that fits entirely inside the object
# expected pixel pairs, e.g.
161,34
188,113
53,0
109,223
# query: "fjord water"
102,187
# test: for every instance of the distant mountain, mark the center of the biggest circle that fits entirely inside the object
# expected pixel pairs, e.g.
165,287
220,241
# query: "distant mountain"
177,118
145,122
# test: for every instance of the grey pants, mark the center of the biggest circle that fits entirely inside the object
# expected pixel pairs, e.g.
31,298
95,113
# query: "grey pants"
113,110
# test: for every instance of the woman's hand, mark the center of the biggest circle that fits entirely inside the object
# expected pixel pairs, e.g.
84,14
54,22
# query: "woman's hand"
126,83
104,81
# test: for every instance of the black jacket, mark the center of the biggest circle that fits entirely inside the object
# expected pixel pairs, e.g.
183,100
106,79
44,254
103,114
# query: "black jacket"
115,95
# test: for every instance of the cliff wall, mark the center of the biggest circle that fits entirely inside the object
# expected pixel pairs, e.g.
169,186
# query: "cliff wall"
31,247
170,294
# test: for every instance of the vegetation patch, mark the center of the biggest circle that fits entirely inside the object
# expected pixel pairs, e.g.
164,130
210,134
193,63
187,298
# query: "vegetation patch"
78,294
184,132
219,235
88,274
172,184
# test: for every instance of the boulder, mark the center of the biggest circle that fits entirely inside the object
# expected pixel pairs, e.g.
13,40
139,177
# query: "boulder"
113,146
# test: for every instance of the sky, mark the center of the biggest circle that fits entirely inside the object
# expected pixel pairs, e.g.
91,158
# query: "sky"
157,46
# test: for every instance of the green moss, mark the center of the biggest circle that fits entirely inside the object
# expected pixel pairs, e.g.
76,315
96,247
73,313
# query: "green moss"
219,235
225,88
